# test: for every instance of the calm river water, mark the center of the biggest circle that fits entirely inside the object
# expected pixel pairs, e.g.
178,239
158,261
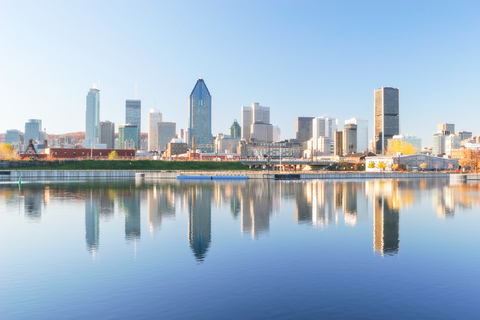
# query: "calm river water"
380,249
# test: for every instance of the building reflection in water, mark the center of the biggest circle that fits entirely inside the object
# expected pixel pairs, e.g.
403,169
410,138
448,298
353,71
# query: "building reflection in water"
199,207
160,204
386,220
33,197
92,220
256,205
129,203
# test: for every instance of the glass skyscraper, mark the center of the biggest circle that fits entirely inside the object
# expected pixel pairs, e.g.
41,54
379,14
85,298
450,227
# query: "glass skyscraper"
199,131
133,116
387,123
92,118
32,130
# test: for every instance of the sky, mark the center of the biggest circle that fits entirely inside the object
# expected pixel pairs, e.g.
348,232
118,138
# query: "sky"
300,58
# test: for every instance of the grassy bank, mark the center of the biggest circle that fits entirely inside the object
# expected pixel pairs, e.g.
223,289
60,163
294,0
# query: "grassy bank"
140,165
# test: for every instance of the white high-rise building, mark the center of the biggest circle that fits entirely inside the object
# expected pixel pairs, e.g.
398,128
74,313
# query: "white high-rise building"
154,118
92,119
276,133
362,133
323,127
251,115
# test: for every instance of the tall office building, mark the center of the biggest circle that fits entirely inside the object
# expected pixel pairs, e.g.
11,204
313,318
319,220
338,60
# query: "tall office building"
349,138
256,114
303,128
387,123
362,133
438,146
166,131
13,137
323,127
199,131
33,127
154,118
235,130
107,134
127,137
446,128
133,116
92,118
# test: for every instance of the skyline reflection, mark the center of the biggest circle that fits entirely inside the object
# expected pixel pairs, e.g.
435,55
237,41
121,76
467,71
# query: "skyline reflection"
318,203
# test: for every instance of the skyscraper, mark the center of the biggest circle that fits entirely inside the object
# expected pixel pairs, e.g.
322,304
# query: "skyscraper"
154,118
200,117
256,123
362,133
323,127
446,128
107,134
387,123
32,130
303,128
133,116
92,118
127,137
166,131
235,130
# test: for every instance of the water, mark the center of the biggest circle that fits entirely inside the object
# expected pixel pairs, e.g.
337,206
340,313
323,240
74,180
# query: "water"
240,250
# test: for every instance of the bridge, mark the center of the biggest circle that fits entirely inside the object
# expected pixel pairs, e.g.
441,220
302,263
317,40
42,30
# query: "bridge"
295,164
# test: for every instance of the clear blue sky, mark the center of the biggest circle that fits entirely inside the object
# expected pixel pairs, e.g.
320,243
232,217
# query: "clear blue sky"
300,58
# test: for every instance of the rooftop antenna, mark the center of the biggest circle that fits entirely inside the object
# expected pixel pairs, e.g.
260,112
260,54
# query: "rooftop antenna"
135,90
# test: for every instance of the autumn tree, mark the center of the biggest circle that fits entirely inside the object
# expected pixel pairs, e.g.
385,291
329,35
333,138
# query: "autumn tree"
395,166
7,151
423,166
382,165
470,158
113,155
396,145
371,165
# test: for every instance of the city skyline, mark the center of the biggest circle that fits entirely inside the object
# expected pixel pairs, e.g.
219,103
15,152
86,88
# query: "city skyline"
426,51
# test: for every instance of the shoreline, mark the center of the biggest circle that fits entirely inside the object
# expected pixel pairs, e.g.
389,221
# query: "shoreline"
14,175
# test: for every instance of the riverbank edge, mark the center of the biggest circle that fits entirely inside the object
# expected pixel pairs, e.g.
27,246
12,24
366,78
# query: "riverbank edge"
173,174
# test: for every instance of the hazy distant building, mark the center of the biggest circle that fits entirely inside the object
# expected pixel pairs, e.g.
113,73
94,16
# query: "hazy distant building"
107,134
446,128
33,127
13,137
438,147
166,131
128,137
387,123
235,130
362,133
464,135
199,131
133,116
226,144
323,127
276,133
154,118
452,142
256,114
303,128
92,118
349,138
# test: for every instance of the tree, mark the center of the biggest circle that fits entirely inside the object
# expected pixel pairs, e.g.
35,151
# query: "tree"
395,166
423,166
470,159
7,151
395,146
371,165
382,165
113,155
